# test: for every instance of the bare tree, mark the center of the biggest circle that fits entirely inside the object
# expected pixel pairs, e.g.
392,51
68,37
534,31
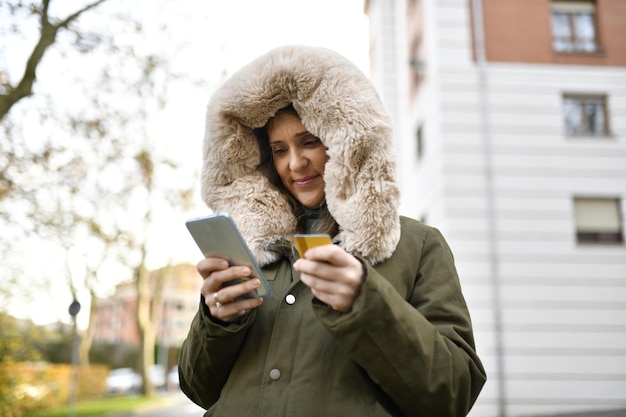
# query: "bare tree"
94,180
16,156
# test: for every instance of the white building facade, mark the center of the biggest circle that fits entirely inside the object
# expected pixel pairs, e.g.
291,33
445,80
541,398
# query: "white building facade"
510,119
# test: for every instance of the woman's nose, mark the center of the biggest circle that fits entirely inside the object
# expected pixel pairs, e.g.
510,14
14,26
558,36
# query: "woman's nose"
297,161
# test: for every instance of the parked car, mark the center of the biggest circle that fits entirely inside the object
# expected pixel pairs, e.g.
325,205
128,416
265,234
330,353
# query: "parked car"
123,381
157,376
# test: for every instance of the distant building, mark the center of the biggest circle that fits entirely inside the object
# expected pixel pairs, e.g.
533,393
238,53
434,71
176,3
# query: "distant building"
116,322
511,134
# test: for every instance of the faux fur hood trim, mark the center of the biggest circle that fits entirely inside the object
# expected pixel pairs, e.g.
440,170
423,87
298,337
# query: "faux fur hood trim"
338,104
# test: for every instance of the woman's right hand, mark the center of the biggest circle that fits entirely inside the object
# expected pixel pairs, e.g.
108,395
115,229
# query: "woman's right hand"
224,302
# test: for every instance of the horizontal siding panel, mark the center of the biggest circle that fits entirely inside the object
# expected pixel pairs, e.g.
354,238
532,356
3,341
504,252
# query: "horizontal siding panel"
575,260
580,340
557,363
469,266
589,293
529,161
541,320
580,391
596,186
485,326
506,146
556,407
565,193
541,317
522,129
522,306
575,269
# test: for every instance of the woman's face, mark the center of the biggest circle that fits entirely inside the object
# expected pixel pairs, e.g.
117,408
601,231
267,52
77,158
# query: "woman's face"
299,158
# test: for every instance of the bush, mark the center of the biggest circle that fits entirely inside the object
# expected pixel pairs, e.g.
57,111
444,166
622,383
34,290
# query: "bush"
26,387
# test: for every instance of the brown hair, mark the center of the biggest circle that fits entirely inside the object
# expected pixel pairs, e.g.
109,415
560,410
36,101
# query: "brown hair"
327,222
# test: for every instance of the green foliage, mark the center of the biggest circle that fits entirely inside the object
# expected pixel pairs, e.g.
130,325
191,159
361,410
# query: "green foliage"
26,387
18,340
115,355
23,341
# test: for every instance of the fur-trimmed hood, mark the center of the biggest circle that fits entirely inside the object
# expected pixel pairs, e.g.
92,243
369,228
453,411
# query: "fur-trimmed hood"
338,104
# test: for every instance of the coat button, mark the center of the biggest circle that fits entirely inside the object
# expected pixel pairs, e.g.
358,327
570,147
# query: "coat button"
274,374
290,299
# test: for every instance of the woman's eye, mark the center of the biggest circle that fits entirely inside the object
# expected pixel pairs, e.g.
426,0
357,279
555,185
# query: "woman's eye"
279,151
312,142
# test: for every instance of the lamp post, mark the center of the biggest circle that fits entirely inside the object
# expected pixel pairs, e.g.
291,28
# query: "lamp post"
74,309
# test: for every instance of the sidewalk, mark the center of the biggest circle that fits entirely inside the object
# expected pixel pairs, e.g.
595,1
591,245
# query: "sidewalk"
167,400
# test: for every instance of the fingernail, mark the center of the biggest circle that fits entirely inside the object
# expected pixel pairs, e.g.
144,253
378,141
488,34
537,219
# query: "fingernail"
256,283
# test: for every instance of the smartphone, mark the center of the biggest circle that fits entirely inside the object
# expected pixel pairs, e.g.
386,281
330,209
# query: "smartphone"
217,236
305,242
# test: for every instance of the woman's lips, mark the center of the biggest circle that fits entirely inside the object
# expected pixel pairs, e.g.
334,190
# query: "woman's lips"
305,181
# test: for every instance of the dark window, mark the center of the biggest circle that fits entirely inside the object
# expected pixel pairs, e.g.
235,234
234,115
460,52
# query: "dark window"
585,115
574,26
598,220
419,141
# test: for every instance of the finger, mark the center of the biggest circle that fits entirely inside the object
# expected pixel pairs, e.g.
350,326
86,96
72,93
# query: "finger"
335,302
209,265
220,278
317,268
332,255
231,292
215,282
335,288
234,310
230,274
349,275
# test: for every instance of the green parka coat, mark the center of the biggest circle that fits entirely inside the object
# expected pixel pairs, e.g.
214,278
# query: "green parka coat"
406,348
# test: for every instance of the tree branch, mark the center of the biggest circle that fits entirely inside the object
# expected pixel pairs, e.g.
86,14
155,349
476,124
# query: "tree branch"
65,23
48,33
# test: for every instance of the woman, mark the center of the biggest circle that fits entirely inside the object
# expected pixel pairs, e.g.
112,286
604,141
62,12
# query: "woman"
373,325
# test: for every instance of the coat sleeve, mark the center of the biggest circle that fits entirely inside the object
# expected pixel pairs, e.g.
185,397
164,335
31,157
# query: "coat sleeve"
411,332
207,356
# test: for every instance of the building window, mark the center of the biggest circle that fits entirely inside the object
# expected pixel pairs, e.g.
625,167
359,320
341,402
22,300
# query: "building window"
598,220
415,53
419,141
585,115
116,323
574,26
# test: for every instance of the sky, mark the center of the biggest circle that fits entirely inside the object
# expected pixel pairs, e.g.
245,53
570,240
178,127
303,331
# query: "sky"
215,38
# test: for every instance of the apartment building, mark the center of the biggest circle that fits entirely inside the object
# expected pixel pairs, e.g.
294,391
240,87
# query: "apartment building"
116,321
510,120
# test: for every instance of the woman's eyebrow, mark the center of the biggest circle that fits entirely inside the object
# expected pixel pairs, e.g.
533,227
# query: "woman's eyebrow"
297,135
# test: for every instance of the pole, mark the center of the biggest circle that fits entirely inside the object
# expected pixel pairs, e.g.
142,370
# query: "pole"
494,262
74,309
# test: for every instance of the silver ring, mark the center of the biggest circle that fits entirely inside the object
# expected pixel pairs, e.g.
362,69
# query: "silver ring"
217,303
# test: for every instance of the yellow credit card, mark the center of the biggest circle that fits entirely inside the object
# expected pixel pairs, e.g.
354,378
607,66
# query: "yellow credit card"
306,242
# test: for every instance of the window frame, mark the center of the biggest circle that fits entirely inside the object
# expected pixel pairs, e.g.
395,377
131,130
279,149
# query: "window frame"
419,141
575,43
582,99
585,235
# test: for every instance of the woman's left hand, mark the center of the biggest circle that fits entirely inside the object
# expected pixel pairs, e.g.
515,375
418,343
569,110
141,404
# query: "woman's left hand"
334,276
